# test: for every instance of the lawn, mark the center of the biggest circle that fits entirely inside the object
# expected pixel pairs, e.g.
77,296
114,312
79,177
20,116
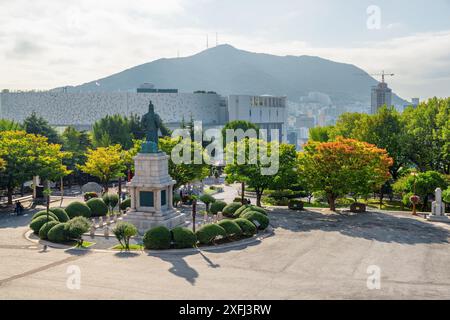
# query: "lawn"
133,247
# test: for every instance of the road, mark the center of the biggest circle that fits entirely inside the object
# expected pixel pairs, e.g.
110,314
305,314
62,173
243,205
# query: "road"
312,255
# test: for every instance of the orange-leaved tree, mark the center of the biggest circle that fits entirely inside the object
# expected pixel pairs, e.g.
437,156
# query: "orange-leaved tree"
344,166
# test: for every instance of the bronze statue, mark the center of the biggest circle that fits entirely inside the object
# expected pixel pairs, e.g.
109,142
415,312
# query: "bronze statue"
151,124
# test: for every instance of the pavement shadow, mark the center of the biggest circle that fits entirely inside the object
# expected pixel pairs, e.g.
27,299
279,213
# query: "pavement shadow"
378,226
126,254
179,267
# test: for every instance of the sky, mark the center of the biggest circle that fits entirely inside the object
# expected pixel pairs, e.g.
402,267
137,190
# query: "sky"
51,43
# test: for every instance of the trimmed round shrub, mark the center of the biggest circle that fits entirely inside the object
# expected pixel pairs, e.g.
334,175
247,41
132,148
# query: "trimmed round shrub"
210,232
111,199
230,209
44,213
239,211
157,238
98,207
231,227
207,200
43,231
254,208
123,232
78,209
125,204
61,214
217,207
260,220
37,223
247,227
58,233
183,238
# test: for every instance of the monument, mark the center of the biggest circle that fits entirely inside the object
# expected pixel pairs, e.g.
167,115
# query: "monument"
438,208
151,188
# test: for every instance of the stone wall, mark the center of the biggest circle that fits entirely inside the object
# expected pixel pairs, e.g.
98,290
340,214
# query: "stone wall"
83,109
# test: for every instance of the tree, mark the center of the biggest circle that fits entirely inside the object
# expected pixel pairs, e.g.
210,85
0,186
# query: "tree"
8,125
123,232
181,172
112,130
235,125
37,125
428,131
105,163
423,184
252,172
320,134
2,164
343,166
77,143
27,155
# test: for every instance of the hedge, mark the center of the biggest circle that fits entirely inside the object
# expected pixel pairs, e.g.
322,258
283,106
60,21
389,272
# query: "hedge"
217,207
183,238
44,213
239,211
125,204
259,220
77,209
157,238
231,227
247,227
58,233
98,207
210,232
37,223
230,209
61,214
43,231
254,208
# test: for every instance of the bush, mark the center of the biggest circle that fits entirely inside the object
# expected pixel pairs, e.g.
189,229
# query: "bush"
210,232
207,200
254,208
78,209
125,204
230,209
282,202
231,227
217,207
61,214
257,218
239,211
44,213
238,199
111,200
90,195
183,238
43,232
76,228
58,233
157,238
296,204
123,232
36,224
98,207
247,227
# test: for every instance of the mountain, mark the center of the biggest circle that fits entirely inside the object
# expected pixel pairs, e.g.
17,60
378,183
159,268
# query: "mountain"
228,70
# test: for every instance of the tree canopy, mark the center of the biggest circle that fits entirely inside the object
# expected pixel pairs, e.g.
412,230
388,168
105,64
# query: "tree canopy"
38,125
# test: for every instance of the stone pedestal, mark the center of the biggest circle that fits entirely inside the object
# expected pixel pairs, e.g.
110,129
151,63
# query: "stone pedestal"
438,208
151,194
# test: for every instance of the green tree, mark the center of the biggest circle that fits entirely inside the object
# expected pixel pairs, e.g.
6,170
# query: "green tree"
252,172
343,166
105,163
183,173
238,124
112,130
28,155
9,125
320,134
77,143
38,125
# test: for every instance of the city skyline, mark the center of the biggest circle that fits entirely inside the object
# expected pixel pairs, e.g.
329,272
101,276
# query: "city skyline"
47,44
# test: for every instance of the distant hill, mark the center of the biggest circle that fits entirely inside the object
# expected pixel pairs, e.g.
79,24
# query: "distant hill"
228,70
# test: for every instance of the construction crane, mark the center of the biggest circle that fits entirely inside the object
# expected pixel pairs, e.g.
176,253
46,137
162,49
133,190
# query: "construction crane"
383,74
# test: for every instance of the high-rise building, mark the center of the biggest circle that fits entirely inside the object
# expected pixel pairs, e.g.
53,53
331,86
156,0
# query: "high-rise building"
381,95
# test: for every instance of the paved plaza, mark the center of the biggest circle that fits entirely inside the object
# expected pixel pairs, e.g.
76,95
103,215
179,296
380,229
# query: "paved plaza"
311,255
